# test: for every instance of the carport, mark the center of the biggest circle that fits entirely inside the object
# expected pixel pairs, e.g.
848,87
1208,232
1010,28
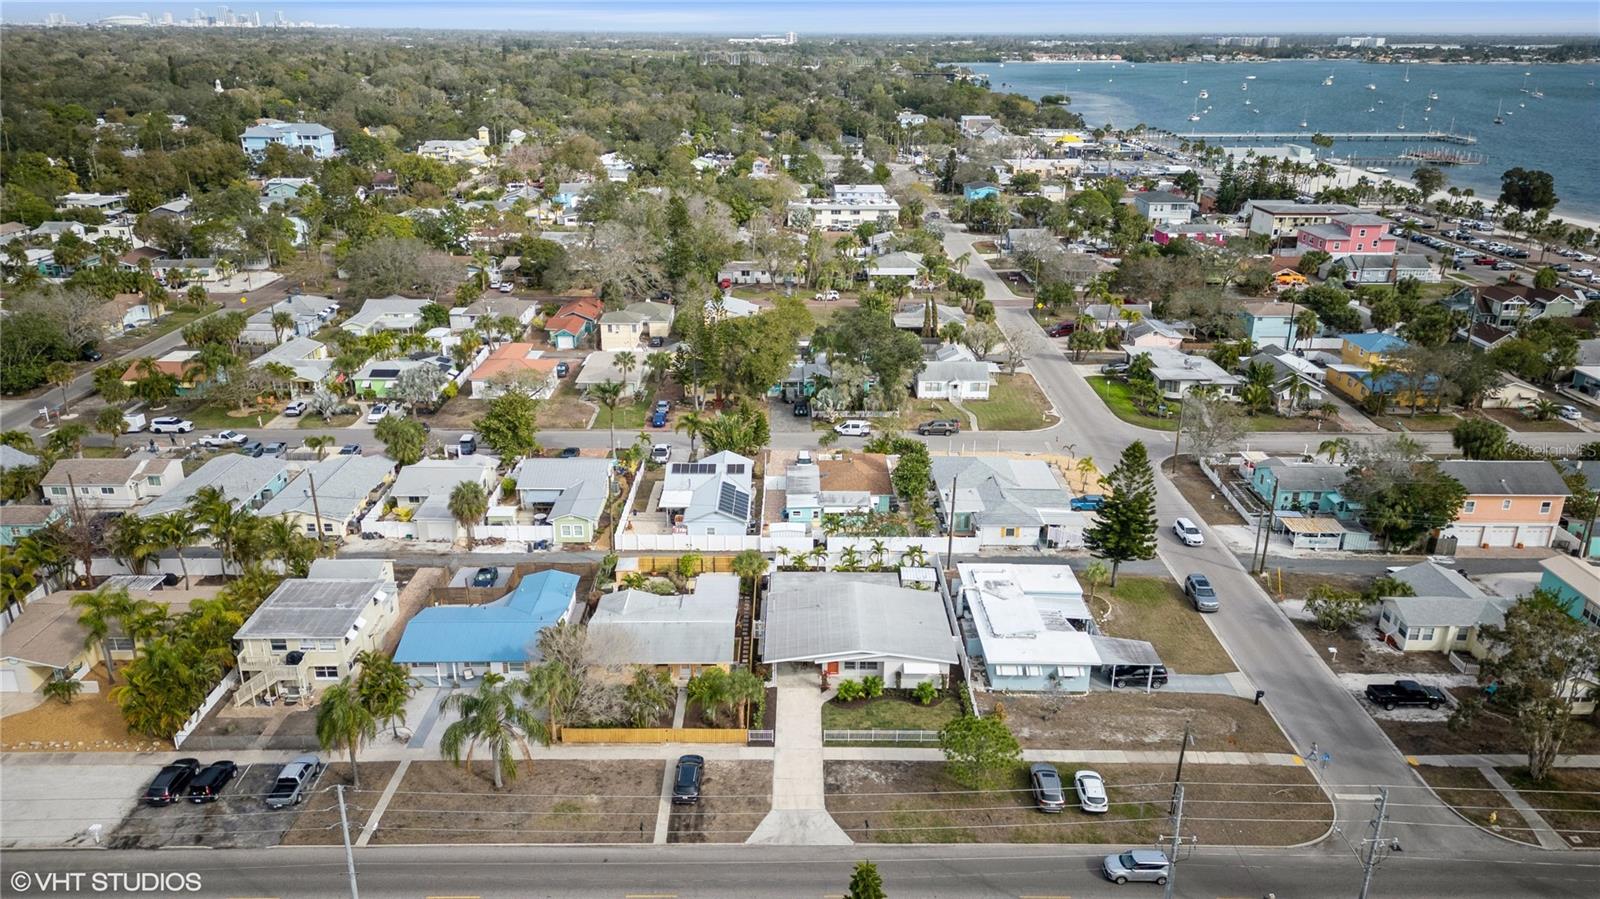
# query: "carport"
1116,652
1312,531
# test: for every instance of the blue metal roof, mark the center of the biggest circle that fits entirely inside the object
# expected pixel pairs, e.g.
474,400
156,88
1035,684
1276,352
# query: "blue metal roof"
1376,342
499,631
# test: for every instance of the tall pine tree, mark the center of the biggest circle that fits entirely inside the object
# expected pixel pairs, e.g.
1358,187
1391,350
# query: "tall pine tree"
1125,526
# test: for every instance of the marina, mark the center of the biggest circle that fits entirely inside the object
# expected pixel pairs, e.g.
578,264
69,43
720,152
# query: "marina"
1254,137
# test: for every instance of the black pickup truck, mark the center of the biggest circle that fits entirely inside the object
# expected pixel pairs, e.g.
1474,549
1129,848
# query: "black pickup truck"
1405,692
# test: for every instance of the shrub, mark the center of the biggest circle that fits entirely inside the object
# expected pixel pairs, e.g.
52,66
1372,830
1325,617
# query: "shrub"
872,686
925,693
62,687
850,691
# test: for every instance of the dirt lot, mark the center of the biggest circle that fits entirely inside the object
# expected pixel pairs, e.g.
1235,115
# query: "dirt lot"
318,824
1516,421
1130,720
566,411
1198,490
915,802
1282,584
1491,732
549,802
735,796
1466,791
1568,800
1358,654
239,819
90,723
1154,609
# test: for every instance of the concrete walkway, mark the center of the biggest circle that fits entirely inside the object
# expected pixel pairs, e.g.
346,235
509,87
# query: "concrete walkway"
1547,836
799,815
972,417
382,805
1507,760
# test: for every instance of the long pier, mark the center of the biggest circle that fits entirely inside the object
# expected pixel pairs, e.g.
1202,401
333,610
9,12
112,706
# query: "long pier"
1446,137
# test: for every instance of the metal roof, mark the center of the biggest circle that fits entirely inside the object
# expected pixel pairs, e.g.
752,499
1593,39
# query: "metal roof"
315,609
499,631
813,616
649,629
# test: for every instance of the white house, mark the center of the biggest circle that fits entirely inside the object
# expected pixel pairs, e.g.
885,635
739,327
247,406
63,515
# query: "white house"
1006,502
308,311
856,625
390,313
847,206
315,139
1163,208
110,483
711,496
1177,372
953,380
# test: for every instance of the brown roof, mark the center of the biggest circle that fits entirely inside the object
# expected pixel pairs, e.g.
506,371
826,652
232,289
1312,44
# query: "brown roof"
1489,334
48,633
857,471
511,358
589,308
1269,308
23,515
94,472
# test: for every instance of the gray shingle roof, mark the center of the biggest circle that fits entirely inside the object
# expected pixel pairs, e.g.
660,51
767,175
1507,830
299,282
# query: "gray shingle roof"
239,478
823,615
647,629
999,491
573,487
1294,477
1506,478
343,484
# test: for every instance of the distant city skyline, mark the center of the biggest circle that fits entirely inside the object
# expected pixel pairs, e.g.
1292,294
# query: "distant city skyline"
938,17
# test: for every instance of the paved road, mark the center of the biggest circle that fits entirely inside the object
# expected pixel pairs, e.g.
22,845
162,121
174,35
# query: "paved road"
770,872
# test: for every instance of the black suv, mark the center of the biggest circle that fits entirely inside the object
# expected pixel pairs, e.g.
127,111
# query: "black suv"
1139,675
168,786
686,781
208,784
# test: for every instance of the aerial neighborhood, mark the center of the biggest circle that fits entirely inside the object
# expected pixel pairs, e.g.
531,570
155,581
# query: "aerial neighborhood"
846,454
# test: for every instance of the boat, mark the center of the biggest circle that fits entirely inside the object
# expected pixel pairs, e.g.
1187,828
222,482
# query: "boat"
1522,104
1433,95
1204,93
1498,118
1537,94
1244,85
1371,86
1328,81
1407,78
1525,81
1378,171
1247,102
1195,115
1249,77
1402,125
1372,109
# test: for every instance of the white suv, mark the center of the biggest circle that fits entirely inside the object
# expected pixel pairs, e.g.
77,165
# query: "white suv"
1188,533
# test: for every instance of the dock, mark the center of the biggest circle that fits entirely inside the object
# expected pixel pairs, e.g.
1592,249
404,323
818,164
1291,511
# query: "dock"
1413,157
1251,137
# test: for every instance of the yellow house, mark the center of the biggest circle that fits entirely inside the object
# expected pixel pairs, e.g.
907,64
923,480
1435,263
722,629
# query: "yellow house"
1359,354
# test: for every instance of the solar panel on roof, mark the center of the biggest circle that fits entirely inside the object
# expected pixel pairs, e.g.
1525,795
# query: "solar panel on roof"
736,468
385,373
733,501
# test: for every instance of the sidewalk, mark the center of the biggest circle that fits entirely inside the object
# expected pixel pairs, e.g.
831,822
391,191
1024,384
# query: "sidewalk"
1092,756
799,815
1505,760
1547,836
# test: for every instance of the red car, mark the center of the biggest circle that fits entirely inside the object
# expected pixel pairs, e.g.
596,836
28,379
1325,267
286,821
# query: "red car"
1064,329
1485,260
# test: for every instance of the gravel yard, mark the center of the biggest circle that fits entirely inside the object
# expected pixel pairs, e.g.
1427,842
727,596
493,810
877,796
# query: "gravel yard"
734,797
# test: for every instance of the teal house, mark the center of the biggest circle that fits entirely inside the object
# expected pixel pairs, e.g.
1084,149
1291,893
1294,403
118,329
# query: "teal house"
18,521
1302,487
1576,584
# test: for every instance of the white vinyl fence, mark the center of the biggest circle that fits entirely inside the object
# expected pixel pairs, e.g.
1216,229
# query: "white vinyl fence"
229,681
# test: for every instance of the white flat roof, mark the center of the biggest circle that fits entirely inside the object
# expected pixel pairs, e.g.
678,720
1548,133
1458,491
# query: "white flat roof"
1023,614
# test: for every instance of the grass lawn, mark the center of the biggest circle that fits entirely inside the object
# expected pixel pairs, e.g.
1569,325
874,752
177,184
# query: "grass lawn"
1516,421
1491,732
1422,421
895,710
1291,423
1015,403
918,802
1568,800
210,415
1134,720
1199,491
318,423
1119,399
1470,794
1145,608
630,416
168,323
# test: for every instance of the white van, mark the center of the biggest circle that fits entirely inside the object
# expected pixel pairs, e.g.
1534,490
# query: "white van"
854,427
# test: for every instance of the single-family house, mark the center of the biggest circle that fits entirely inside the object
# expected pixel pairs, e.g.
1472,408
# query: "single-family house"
1028,240
457,643
378,376
423,492
514,363
1381,268
905,118
972,125
1359,354
309,137
1177,372
390,313
1006,501
307,358
1269,321
1446,614
177,363
177,272
127,311
247,483
711,496
621,330
616,167
913,316
856,625
1576,584
744,272
726,306
11,457
332,495
1297,383
470,151
101,484
1508,504
1345,235
175,209
306,635
280,190
1151,332
18,520
952,380
854,486
466,318
574,321
1288,484
1107,316
898,265
682,634
46,641
569,495
108,205
1165,208
1509,306
1199,232
307,313
1280,221
601,366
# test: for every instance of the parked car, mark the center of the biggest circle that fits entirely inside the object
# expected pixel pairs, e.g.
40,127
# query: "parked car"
274,449
467,445
1405,692
1484,260
939,427
505,287
377,413
827,296
1139,675
562,368
658,417
569,452
208,784
1048,794
686,780
1091,791
1114,368
1188,532
485,577
1141,865
224,438
661,453
170,782
1503,266
350,449
1582,273
853,427
89,354
1089,502
252,449
1200,592
294,781
802,409
295,409
658,341
1062,329
1570,413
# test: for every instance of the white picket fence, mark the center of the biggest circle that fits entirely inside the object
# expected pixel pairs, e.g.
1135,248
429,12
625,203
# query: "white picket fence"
229,681
515,532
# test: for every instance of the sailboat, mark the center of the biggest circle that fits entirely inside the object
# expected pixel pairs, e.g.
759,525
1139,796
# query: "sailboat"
1371,86
1402,125
1407,78
1433,95
1305,116
1539,94
1195,115
1525,81
1244,85
1328,81
1498,118
1185,77
1204,94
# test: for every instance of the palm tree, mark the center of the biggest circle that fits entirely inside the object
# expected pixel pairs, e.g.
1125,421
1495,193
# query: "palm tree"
67,439
649,695
744,691
1543,410
228,526
877,551
59,374
385,687
492,717
469,503
626,363
100,610
709,689
849,559
1334,446
693,424
111,422
281,321
320,443
1306,324
177,531
343,722
609,395
914,557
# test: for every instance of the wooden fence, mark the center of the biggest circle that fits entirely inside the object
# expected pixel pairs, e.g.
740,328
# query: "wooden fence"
653,735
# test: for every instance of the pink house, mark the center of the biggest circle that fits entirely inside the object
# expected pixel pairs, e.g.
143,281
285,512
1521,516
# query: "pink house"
1347,234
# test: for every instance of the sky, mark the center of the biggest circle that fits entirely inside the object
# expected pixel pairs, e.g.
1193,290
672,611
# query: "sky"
1041,17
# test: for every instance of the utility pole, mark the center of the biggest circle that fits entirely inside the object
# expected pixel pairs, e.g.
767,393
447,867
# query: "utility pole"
1264,531
1177,439
1375,849
1177,782
950,525
1177,840
349,857
316,510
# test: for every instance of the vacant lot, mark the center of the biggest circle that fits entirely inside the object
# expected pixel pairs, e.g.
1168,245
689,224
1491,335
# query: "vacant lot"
1128,719
1517,421
1568,800
1422,421
895,710
1490,732
915,802
1474,798
1282,584
734,797
239,819
566,411
1153,609
549,802
1202,494
318,824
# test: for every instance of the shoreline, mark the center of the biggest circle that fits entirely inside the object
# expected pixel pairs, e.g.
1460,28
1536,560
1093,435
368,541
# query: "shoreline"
1348,175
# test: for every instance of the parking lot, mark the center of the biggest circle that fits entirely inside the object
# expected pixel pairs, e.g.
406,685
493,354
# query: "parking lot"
239,819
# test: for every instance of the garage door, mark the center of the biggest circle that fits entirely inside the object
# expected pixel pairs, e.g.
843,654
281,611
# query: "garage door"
1535,536
1467,537
8,681
1500,536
